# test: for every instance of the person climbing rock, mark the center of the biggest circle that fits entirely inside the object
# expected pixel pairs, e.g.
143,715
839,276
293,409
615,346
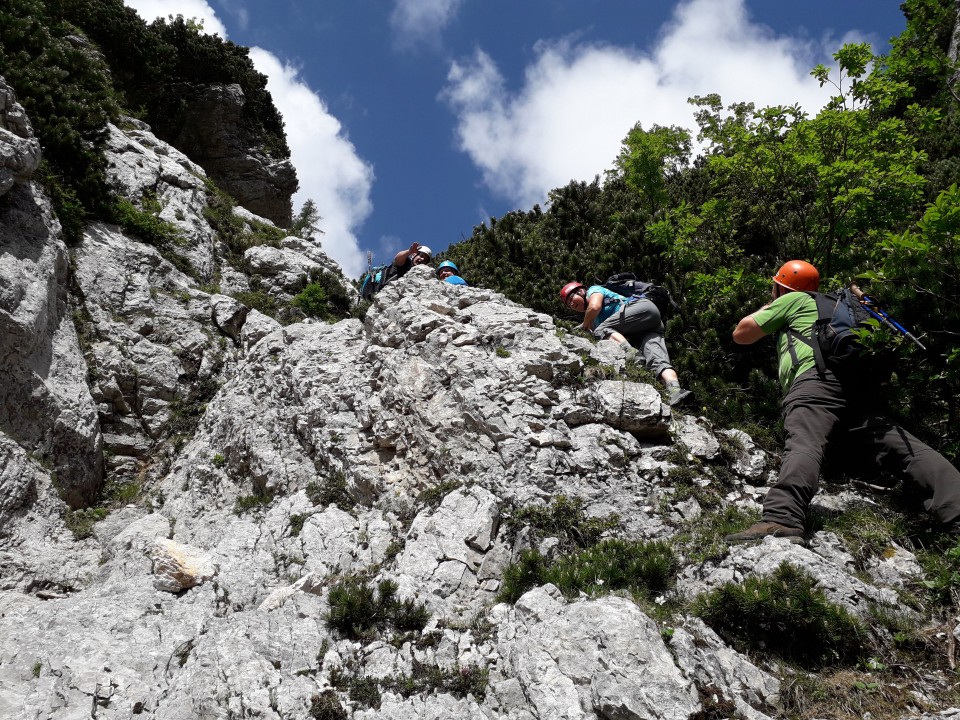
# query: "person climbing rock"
633,321
821,409
448,272
376,278
417,254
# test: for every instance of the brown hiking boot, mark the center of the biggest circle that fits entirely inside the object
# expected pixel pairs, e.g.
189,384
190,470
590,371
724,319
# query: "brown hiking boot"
761,530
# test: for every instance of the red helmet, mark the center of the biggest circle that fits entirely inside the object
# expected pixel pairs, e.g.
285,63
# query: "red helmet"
569,289
798,275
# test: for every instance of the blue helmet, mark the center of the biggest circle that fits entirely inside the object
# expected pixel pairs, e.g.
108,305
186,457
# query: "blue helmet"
448,264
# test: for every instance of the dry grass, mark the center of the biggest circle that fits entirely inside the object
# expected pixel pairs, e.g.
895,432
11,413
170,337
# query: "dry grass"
852,694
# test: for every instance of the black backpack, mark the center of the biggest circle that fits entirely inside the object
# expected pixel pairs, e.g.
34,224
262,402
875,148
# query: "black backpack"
833,340
626,284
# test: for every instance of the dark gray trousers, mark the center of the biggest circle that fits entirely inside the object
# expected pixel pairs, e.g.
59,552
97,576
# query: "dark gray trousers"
641,324
817,411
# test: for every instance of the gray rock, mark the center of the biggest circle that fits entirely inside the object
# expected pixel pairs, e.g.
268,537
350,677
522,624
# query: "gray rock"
599,658
212,133
19,149
633,407
44,401
179,567
228,315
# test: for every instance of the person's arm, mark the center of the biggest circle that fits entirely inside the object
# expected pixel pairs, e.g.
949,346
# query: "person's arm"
401,258
748,330
594,306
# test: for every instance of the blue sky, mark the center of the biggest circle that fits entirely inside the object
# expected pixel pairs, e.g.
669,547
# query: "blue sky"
415,120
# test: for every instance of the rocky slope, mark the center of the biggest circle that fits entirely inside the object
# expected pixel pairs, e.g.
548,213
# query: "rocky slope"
245,470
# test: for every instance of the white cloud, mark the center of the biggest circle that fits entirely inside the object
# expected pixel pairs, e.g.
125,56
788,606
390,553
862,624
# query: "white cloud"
238,11
328,167
199,9
578,101
421,20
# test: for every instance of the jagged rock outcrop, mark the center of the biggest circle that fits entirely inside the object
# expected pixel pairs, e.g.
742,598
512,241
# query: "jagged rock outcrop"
211,132
272,463
19,149
45,404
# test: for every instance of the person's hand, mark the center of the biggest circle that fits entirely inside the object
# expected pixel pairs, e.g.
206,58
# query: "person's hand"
415,247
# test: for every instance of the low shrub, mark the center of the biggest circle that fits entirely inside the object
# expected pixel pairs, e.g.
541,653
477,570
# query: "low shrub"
324,298
424,679
357,610
642,568
703,541
326,706
564,519
81,522
785,615
245,503
333,490
296,523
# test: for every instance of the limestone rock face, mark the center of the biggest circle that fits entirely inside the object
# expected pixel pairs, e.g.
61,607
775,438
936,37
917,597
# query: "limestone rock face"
212,135
44,401
591,659
179,567
252,467
19,149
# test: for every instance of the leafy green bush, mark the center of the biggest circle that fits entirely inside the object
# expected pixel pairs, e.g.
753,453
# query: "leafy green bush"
152,230
357,610
232,230
643,568
785,615
324,298
260,301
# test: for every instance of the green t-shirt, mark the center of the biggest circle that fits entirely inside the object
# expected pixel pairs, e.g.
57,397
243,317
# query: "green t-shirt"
797,311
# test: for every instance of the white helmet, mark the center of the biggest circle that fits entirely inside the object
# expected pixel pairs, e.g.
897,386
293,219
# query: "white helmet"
426,251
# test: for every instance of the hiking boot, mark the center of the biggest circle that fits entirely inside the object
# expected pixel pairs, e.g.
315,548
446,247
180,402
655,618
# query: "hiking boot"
761,530
677,395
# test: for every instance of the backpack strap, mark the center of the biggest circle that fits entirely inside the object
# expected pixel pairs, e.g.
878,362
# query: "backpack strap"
825,308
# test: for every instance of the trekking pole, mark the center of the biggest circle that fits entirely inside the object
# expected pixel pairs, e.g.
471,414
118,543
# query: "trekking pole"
880,314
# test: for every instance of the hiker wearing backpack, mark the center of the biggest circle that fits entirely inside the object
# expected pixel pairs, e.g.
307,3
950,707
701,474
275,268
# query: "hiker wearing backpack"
417,254
374,280
635,321
827,403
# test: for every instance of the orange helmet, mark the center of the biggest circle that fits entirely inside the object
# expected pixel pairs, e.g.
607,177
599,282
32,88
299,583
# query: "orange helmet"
569,289
798,275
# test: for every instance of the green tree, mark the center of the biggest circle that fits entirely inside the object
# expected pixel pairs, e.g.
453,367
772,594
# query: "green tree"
648,159
827,187
305,224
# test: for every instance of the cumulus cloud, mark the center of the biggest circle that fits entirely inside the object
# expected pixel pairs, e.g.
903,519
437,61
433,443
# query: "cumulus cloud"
328,166
199,9
578,101
416,21
329,169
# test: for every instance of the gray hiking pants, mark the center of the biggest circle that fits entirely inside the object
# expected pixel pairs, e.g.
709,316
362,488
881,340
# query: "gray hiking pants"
817,411
639,321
